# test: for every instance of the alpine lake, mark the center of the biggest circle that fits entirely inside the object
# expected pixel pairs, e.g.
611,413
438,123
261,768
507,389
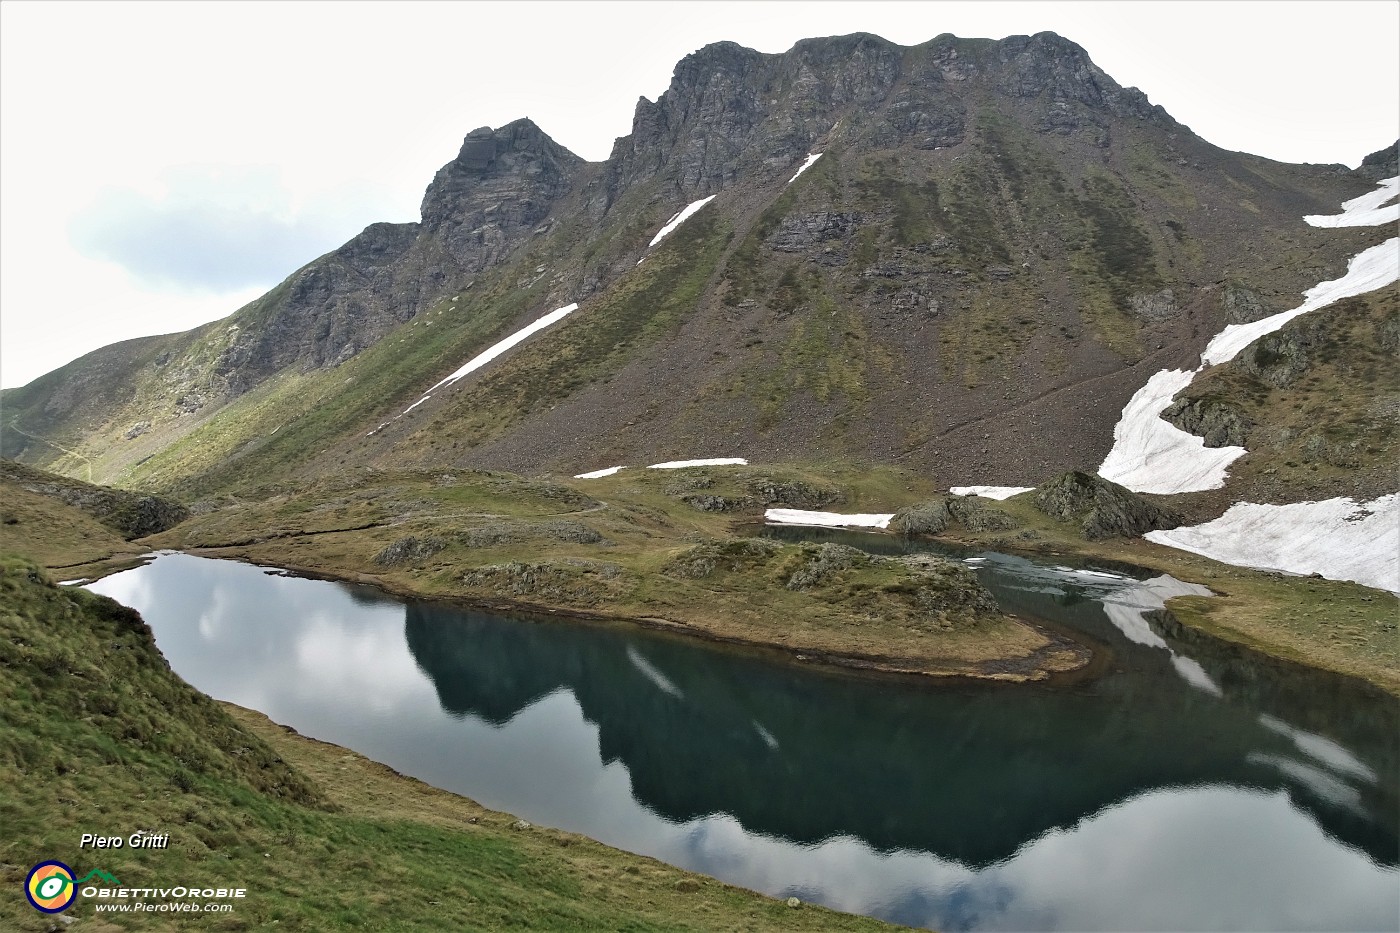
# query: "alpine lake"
1182,783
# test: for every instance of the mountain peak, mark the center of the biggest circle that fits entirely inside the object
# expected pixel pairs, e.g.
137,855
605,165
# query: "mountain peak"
500,163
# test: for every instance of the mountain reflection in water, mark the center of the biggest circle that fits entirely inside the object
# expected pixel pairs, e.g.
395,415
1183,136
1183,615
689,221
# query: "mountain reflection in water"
1193,785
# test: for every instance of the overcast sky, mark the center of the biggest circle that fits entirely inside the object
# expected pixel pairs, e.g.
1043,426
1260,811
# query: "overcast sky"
162,164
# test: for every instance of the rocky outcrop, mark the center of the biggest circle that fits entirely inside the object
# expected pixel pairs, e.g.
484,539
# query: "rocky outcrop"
934,516
927,518
800,232
131,514
1102,508
1242,305
1383,163
976,514
410,549
1277,359
494,195
478,209
1156,306
733,555
1217,422
947,590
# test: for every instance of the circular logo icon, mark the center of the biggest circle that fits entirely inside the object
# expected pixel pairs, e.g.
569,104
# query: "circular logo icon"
50,887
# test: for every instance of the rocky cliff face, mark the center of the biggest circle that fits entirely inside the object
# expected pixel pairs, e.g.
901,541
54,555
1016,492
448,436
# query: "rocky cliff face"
1383,163
495,194
996,247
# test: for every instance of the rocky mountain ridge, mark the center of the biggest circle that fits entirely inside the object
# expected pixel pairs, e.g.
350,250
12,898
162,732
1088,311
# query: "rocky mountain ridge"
995,247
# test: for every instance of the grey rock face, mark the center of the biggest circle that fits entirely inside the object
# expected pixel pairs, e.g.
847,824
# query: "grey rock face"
1219,424
479,208
708,503
1104,509
409,549
1278,358
975,514
1242,305
1156,306
1383,163
131,514
792,494
800,232
934,516
928,518
493,195
729,113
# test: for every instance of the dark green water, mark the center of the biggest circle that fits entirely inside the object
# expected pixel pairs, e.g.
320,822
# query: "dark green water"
1191,786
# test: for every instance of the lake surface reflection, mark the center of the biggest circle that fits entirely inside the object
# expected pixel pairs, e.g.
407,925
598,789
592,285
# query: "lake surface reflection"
1192,786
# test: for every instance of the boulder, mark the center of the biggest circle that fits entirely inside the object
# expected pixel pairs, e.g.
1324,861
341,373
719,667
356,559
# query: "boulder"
1104,509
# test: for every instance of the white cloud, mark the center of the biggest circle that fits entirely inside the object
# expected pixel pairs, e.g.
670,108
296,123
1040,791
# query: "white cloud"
217,228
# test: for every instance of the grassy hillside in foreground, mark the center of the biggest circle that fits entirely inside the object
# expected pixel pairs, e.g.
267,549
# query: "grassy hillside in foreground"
98,735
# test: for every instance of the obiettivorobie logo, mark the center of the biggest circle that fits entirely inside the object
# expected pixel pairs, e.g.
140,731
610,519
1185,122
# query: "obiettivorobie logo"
51,887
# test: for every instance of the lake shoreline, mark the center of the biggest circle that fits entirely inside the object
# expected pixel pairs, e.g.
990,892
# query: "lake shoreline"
1090,658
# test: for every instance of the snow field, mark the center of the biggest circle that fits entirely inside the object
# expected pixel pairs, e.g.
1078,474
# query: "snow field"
1368,270
811,158
669,465
1338,538
1151,455
677,219
714,461
825,519
990,492
1365,211
599,474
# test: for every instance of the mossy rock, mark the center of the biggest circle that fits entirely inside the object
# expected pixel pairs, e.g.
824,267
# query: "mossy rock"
926,518
409,550
1104,509
934,516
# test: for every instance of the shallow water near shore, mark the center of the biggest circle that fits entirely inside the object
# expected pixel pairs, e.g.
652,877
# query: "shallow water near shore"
1191,784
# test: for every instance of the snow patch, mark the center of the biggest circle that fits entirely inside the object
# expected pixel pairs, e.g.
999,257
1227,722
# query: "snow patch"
677,219
826,519
715,461
1152,455
496,349
493,351
811,157
1338,538
1368,270
990,492
1365,211
599,474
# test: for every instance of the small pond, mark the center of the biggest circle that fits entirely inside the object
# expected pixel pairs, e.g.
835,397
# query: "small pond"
1191,785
